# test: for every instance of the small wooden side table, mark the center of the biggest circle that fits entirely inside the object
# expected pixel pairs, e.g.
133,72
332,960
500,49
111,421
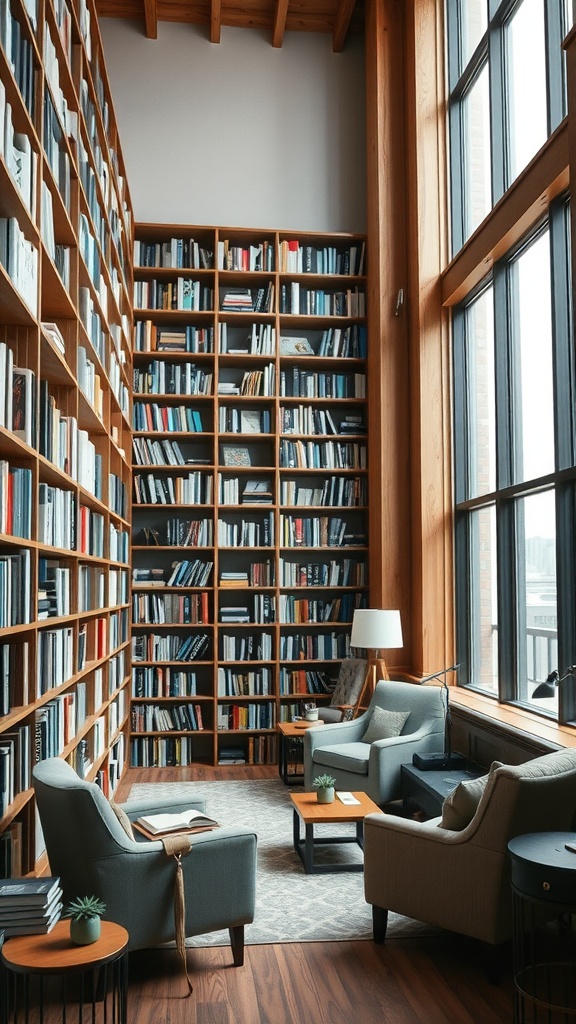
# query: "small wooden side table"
291,738
307,810
28,961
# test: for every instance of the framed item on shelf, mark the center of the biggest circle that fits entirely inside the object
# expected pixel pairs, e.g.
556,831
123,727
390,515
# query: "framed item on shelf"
235,455
295,347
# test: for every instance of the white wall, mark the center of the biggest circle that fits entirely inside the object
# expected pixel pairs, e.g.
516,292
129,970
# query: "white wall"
240,133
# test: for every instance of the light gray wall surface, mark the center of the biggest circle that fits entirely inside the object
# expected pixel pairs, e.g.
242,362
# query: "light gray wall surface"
240,133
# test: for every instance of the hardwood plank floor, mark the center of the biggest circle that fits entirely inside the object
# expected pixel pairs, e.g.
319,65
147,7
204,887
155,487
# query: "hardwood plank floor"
429,980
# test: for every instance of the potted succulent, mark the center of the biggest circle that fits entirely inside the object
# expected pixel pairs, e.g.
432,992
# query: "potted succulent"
85,913
325,786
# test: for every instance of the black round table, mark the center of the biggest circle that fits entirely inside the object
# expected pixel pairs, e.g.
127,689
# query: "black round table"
543,875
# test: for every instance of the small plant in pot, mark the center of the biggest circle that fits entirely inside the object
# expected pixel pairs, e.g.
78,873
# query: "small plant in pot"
85,913
325,786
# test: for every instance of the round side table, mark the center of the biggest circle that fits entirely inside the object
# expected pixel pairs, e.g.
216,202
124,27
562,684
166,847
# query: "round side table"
543,874
92,976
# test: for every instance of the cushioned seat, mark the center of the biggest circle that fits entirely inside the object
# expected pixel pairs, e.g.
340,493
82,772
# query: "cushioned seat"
365,754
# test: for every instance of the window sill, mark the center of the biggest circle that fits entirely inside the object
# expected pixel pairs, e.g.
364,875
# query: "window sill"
515,720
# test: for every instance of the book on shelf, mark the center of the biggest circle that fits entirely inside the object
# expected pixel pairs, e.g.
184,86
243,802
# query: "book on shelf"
290,346
154,825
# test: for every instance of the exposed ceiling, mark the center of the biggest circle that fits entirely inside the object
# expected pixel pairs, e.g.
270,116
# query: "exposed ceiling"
337,17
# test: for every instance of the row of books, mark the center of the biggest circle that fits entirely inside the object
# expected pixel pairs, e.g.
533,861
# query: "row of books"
318,531
15,594
19,52
54,658
162,378
169,647
149,451
302,610
181,253
164,418
304,680
300,301
15,500
247,300
14,675
183,293
20,158
314,646
337,491
247,716
150,337
194,489
166,717
259,340
19,257
322,455
300,383
154,608
258,574
297,258
236,491
347,572
163,681
246,532
252,683
15,762
254,750
162,752
244,421
306,419
245,257
246,646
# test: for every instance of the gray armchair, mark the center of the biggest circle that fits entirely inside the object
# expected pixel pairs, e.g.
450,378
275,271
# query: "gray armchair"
459,878
92,853
352,753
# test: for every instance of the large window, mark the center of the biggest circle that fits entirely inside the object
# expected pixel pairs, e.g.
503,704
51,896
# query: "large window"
506,83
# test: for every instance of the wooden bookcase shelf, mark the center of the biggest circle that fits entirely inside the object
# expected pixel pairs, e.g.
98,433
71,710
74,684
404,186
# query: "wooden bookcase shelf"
249,543
66,237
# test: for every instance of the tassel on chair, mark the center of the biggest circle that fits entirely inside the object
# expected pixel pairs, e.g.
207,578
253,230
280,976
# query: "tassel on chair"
175,846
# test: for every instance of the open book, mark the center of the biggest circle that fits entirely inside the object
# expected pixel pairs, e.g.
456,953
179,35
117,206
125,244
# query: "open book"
181,821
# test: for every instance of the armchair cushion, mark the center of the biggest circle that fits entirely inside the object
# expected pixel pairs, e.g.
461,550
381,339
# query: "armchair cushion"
350,757
460,805
384,724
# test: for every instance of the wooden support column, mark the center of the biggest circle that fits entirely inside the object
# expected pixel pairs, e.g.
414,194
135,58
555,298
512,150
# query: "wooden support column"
388,379
430,360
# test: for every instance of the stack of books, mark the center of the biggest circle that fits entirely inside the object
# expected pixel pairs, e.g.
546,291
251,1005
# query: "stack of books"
29,906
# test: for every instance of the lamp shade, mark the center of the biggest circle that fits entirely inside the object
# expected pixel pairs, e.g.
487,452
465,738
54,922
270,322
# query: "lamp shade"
376,629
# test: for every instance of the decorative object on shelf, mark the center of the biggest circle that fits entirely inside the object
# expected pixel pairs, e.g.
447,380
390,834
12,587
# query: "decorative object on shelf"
325,786
295,347
85,913
233,455
553,679
375,630
311,712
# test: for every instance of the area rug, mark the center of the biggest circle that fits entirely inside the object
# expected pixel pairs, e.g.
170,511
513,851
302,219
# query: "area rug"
291,906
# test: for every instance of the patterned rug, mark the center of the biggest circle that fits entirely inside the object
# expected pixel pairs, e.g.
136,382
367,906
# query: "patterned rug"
291,906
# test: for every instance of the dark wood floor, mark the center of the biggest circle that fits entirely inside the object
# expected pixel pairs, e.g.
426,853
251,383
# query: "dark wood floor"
433,980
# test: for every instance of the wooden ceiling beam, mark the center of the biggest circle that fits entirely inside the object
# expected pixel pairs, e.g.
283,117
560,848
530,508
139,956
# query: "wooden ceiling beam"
151,19
279,23
215,20
342,24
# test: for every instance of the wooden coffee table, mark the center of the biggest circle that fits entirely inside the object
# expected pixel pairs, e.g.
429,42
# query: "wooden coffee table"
308,811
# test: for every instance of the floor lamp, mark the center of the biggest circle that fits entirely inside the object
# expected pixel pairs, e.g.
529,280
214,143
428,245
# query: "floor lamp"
375,630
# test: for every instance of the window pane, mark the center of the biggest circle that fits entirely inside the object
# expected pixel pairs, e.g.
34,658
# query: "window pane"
537,634
534,412
527,128
473,18
476,154
481,398
484,610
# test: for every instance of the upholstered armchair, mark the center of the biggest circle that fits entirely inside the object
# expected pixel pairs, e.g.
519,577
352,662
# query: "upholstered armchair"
454,872
92,853
366,753
346,692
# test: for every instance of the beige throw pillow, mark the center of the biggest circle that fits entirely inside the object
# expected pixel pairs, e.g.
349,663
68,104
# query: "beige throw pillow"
384,724
460,805
123,819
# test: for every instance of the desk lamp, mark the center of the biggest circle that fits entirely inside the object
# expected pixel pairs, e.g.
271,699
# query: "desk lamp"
548,687
438,762
375,630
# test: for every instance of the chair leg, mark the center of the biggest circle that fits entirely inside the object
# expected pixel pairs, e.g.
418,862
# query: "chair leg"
379,924
237,943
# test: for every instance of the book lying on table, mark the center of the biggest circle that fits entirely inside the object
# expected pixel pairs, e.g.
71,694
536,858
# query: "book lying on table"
25,892
154,825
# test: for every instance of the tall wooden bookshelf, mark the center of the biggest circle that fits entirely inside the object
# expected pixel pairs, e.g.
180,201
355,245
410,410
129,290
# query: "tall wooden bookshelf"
250,488
65,377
